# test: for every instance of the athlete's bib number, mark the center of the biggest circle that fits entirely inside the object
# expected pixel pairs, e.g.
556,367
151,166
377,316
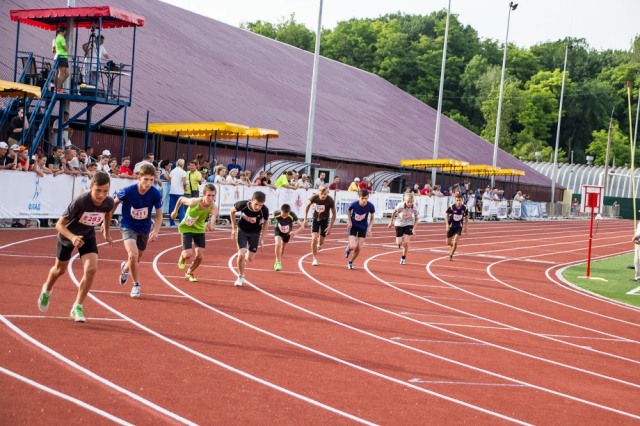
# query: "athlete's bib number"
139,214
457,217
284,228
92,218
190,220
320,208
360,217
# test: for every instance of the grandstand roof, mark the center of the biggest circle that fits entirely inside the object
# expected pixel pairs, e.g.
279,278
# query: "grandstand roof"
190,68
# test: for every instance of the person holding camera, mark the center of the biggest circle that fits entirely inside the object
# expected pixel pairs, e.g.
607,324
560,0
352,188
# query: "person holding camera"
91,55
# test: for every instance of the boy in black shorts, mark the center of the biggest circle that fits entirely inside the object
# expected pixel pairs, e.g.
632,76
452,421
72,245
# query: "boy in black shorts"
457,218
76,228
285,219
250,230
320,226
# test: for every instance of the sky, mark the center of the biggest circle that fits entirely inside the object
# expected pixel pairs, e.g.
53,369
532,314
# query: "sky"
605,24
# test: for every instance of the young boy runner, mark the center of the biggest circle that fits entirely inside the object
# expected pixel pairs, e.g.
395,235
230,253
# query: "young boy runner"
405,218
137,201
358,225
76,228
454,217
320,227
193,226
285,219
250,230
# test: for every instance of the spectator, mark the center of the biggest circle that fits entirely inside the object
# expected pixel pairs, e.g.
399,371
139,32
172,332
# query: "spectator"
114,169
234,165
103,164
320,180
82,163
284,179
39,167
165,171
519,197
335,185
147,159
366,184
220,175
355,185
67,162
61,53
437,192
232,177
55,160
125,170
258,180
98,54
266,181
92,169
304,182
178,179
426,190
16,127
194,179
245,178
23,159
90,158
385,187
4,147
416,189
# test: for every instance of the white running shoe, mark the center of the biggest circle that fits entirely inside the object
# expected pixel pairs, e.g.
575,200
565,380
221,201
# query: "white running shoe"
43,300
314,262
402,261
239,281
135,291
76,313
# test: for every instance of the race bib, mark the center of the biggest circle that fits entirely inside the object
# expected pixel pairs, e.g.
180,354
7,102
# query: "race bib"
359,217
190,220
91,218
406,215
248,218
284,228
457,217
320,208
139,214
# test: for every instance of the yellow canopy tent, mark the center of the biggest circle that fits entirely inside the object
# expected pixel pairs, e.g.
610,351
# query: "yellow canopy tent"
11,89
446,165
260,133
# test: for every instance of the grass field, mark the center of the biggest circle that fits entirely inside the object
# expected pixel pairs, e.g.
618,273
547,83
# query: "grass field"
619,279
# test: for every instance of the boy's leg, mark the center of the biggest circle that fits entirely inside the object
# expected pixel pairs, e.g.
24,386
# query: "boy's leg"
133,257
279,248
197,260
241,260
57,270
315,238
90,266
454,245
358,244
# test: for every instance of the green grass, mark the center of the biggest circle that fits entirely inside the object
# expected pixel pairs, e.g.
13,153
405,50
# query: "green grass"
614,270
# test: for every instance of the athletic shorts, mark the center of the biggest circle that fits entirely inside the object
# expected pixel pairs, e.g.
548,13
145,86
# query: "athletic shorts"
404,230
141,239
320,225
250,240
64,250
454,231
285,237
63,63
358,232
189,238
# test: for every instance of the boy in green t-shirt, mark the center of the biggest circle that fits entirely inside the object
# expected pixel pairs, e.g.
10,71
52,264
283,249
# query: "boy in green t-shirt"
193,226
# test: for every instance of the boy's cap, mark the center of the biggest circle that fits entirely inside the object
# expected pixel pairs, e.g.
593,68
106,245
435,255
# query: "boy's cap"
106,152
4,145
15,147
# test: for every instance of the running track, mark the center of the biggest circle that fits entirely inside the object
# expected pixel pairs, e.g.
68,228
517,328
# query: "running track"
493,337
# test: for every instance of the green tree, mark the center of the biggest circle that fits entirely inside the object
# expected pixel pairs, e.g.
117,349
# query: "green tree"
620,146
510,106
352,42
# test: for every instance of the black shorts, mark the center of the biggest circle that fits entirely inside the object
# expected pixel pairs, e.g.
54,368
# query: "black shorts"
141,239
64,250
404,230
250,240
320,225
358,232
454,231
63,63
285,237
189,238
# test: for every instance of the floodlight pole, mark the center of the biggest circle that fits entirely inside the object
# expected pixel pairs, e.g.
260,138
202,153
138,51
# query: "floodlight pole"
512,6
554,171
314,88
436,138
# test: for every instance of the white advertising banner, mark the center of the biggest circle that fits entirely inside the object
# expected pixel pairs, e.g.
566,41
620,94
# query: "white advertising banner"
27,195
503,209
516,210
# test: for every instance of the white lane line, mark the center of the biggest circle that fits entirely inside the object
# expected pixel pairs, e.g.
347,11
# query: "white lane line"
93,375
561,336
52,317
126,293
66,397
448,382
471,326
448,342
634,291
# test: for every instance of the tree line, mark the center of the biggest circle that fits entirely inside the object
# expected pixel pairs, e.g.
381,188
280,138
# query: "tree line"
406,50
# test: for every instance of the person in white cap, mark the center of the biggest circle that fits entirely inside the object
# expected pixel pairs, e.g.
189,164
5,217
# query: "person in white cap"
4,147
106,153
355,185
10,160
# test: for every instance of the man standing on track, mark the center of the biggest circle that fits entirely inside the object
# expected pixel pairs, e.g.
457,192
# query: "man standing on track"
76,228
457,220
137,202
250,230
193,227
360,217
405,218
320,227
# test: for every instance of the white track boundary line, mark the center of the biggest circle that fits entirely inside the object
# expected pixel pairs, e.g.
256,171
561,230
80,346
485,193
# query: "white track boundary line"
66,397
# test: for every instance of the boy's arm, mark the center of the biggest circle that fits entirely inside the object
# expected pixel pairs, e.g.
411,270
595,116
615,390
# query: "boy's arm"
61,227
306,213
234,225
211,225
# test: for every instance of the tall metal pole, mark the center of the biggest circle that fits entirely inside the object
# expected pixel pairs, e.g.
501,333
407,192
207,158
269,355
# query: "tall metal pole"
314,88
554,172
512,6
436,139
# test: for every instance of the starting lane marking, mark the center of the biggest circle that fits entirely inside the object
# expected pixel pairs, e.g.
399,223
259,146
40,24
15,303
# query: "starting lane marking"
54,317
589,338
472,326
634,291
449,382
146,294
64,396
435,341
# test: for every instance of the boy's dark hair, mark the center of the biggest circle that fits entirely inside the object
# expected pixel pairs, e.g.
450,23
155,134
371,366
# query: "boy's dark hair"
101,178
363,193
164,163
259,196
285,208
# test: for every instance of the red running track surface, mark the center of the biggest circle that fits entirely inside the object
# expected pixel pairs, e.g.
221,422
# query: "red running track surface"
493,336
